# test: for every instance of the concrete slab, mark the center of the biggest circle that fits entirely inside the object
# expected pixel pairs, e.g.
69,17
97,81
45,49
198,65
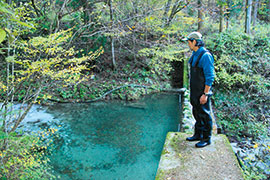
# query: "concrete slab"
180,160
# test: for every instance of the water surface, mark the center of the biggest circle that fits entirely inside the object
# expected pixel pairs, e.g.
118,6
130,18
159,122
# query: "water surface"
111,140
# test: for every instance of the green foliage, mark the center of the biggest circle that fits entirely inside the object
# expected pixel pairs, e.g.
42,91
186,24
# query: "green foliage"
159,59
235,113
254,173
255,164
91,24
2,35
14,13
23,157
39,64
47,60
13,22
242,60
242,82
264,11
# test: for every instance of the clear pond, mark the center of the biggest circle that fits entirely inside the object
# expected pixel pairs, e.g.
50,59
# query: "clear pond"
108,140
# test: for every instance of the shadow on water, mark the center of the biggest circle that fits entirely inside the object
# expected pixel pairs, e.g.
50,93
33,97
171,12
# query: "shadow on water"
114,140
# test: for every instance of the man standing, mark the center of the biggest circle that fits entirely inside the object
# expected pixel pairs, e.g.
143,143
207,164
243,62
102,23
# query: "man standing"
201,78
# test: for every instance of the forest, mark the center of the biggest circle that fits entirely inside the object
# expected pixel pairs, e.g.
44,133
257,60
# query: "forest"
83,51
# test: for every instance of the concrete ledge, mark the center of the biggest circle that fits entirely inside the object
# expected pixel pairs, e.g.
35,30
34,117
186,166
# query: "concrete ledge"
180,160
179,90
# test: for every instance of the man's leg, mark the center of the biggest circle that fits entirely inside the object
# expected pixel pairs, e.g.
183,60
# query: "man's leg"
205,116
198,132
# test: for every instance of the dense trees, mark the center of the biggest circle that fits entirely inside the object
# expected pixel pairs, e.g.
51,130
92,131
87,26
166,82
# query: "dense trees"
76,50
129,25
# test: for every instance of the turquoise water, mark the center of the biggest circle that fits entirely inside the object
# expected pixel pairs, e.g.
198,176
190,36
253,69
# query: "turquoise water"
114,140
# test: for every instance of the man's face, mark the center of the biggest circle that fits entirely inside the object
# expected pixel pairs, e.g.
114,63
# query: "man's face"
191,44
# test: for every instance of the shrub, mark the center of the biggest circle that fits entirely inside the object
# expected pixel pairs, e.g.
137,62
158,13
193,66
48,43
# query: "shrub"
242,82
23,157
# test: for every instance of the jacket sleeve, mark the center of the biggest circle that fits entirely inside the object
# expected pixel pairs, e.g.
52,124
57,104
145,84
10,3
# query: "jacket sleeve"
207,63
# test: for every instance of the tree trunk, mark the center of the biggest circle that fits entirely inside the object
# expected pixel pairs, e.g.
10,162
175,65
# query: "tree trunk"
112,40
221,18
268,10
255,11
209,4
227,23
173,12
5,104
113,54
177,7
227,15
248,16
200,15
29,106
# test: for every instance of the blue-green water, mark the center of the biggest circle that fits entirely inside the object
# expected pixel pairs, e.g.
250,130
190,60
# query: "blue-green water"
112,140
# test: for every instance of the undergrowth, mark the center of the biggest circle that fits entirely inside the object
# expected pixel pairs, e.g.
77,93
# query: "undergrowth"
242,82
242,86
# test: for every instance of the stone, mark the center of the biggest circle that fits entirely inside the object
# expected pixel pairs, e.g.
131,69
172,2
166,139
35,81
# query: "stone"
216,161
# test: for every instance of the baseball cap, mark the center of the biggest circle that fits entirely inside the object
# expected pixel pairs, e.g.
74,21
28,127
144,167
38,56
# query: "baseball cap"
193,36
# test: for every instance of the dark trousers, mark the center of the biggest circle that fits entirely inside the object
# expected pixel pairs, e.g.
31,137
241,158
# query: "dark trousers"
202,115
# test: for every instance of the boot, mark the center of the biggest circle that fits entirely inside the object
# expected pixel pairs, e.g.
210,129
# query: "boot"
206,140
203,143
195,137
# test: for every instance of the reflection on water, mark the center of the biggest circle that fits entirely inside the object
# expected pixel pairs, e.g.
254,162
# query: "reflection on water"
115,140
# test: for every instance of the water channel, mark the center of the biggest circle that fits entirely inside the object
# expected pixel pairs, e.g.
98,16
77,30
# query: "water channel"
113,140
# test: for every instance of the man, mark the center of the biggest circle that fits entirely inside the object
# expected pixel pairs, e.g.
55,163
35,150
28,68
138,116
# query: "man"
201,79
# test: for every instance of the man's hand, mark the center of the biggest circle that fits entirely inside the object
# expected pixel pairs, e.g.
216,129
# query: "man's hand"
203,99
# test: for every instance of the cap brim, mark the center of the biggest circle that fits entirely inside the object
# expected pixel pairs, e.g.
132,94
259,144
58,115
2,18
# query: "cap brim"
185,39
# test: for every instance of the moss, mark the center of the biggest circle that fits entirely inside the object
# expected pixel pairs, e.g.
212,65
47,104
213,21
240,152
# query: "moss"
186,127
160,175
164,151
179,145
228,144
176,143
